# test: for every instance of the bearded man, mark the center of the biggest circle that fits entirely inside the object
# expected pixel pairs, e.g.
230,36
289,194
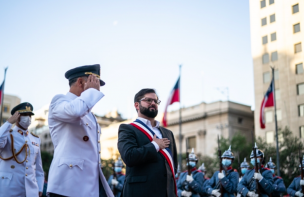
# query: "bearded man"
148,150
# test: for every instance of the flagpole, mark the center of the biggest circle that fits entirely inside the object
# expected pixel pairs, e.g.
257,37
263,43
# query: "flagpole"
2,98
276,122
180,120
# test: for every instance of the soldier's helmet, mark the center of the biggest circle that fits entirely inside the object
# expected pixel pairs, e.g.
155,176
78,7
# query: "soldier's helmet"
202,168
259,153
270,164
192,156
119,163
302,163
228,153
245,164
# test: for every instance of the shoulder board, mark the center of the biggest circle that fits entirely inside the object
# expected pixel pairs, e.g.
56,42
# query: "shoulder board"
34,135
11,130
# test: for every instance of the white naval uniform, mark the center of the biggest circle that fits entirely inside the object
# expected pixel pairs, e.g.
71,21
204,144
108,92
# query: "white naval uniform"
76,169
20,180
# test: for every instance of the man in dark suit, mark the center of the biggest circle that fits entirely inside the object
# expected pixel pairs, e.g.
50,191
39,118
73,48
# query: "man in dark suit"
143,146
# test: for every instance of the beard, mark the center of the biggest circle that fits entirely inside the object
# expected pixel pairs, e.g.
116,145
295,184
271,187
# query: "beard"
147,112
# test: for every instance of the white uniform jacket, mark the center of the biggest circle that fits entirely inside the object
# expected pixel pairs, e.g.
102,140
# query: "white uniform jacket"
25,179
76,169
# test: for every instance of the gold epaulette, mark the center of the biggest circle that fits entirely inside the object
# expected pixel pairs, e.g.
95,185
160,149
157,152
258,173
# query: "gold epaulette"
34,135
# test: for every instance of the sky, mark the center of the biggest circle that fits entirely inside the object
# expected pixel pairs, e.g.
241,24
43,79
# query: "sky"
138,44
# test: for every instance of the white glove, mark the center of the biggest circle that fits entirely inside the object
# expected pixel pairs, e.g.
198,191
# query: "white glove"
220,175
258,176
301,182
189,178
114,182
298,193
252,194
187,194
216,193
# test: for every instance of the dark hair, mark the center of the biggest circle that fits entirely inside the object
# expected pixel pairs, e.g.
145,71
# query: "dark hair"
72,81
139,95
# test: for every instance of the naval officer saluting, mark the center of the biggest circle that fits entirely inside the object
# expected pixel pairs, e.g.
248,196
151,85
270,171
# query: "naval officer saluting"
21,172
76,169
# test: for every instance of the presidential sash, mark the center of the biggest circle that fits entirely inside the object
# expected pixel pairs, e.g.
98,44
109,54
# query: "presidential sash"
166,152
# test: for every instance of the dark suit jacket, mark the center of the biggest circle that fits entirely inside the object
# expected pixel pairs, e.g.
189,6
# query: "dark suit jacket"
148,173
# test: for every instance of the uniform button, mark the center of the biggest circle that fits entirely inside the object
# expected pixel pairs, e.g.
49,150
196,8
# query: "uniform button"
71,165
12,166
99,151
26,167
25,141
26,161
98,141
3,177
25,174
87,124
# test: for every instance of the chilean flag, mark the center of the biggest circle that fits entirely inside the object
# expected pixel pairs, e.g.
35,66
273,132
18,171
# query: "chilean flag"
2,88
174,97
268,101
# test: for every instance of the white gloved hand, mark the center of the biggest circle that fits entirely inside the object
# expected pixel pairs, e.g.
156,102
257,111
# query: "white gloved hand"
216,193
187,194
258,176
298,193
251,194
221,175
114,182
301,182
189,178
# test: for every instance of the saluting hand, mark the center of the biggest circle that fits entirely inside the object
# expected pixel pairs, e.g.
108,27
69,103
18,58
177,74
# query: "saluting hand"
13,119
162,143
92,82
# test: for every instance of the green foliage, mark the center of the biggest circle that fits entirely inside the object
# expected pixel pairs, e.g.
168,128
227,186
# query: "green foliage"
46,162
107,167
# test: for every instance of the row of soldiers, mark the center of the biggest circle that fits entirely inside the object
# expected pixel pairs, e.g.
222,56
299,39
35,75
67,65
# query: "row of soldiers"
228,183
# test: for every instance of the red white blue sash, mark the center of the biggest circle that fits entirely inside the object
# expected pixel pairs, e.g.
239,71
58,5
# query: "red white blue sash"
166,152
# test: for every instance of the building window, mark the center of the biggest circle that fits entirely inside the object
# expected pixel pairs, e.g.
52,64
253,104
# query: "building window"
264,21
279,114
192,142
6,108
268,116
301,110
269,137
44,146
295,8
50,144
272,18
277,94
299,68
271,2
274,56
300,88
296,28
298,48
266,77
302,131
264,39
273,36
276,74
265,58
240,120
263,3
45,136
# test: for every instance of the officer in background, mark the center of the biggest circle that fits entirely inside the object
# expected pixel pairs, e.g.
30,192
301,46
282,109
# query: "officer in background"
117,183
244,168
191,186
21,172
177,174
247,186
204,171
278,183
294,188
228,178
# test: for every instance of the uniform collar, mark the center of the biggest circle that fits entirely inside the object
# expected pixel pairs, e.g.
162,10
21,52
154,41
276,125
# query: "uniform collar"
23,131
71,95
148,123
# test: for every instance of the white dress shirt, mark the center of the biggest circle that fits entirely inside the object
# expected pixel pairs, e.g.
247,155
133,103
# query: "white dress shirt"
154,129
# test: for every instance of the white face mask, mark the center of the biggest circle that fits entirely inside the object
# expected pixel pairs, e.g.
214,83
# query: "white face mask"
25,121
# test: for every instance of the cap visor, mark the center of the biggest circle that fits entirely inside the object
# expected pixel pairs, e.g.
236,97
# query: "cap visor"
102,83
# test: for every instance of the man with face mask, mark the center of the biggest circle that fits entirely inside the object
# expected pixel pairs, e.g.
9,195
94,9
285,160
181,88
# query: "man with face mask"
21,172
247,186
278,183
295,188
191,185
76,166
228,178
117,183
244,168
148,150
